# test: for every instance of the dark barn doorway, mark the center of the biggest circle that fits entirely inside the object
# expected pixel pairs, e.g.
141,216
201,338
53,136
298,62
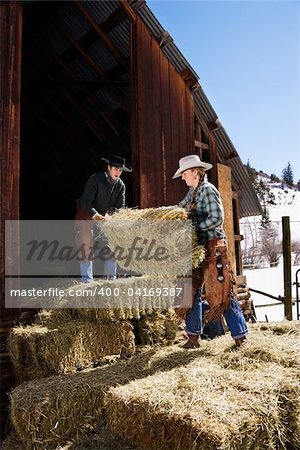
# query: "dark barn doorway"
75,101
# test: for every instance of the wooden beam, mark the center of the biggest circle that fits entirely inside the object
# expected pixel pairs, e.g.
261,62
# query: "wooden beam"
202,145
80,49
231,155
52,130
107,115
101,33
94,125
96,83
10,89
114,19
238,237
214,159
97,69
58,111
10,92
190,79
129,11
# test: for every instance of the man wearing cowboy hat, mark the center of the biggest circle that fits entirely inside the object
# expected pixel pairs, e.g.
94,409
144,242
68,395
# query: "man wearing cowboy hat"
104,192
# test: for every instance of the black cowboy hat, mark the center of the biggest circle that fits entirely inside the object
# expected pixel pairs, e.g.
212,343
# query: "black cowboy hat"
117,161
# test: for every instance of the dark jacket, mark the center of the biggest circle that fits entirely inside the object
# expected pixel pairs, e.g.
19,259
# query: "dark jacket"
103,194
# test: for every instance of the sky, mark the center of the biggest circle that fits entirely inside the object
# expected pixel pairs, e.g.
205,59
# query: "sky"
247,55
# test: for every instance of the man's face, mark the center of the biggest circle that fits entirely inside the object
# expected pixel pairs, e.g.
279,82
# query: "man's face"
114,172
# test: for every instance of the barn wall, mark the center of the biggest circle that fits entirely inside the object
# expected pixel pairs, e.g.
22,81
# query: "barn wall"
163,128
10,70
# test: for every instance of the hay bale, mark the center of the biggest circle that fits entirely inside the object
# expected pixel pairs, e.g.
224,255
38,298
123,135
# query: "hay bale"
50,412
103,439
166,227
112,300
201,406
38,351
11,442
162,213
66,339
157,328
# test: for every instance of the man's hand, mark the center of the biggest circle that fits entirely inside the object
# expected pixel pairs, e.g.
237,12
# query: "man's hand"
98,217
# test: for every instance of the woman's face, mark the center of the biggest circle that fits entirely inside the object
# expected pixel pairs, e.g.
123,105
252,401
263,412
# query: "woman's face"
189,177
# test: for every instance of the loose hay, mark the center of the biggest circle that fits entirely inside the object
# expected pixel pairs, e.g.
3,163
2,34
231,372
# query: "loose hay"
39,351
215,397
285,327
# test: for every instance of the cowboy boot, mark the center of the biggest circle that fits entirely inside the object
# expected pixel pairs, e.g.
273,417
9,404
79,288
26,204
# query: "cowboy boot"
192,342
240,342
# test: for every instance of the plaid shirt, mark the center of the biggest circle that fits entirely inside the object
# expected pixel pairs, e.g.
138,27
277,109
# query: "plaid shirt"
209,216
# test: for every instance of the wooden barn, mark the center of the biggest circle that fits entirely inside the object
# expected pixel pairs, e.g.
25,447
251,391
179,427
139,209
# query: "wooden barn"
80,80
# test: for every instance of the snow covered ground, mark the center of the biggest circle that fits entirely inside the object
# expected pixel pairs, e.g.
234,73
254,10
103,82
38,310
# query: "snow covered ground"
270,280
285,202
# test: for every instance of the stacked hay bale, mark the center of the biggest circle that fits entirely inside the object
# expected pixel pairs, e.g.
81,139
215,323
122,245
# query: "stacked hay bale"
65,340
221,399
207,398
107,317
42,350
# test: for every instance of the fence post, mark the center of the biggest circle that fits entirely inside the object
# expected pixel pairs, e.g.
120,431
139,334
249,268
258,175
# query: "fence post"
287,268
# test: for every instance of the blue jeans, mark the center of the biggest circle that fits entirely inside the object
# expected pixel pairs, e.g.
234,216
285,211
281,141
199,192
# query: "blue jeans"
234,318
109,270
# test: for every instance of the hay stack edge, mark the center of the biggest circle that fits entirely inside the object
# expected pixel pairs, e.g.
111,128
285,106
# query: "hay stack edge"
142,395
98,323
214,397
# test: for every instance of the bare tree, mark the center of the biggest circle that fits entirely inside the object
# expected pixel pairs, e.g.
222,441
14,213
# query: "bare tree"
296,251
271,244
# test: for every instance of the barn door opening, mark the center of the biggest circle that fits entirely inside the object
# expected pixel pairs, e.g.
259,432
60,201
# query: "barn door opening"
75,102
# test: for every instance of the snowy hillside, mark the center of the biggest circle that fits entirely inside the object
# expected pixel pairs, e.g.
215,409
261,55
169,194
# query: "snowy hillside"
284,201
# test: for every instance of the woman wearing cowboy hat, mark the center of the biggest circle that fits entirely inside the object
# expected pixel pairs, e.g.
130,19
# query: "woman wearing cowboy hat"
203,203
104,192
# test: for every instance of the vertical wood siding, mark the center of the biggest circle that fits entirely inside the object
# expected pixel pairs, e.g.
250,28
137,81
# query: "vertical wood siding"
163,128
10,82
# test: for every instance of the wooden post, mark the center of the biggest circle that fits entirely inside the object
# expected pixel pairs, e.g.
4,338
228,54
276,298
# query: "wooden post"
10,86
287,269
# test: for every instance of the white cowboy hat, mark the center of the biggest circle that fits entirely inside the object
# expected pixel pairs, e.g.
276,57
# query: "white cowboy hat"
190,162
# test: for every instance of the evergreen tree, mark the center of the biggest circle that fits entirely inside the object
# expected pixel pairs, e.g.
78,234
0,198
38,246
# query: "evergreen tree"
265,221
274,178
288,175
251,172
263,191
